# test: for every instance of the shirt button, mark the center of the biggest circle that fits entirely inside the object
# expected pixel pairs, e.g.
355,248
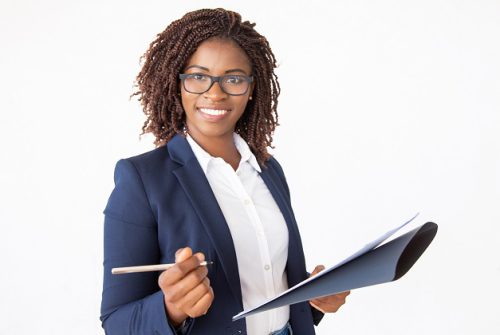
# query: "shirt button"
266,267
247,201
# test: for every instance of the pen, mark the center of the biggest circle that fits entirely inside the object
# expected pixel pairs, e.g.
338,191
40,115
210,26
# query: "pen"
148,268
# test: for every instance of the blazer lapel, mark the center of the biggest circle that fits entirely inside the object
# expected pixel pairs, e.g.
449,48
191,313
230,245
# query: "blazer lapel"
195,184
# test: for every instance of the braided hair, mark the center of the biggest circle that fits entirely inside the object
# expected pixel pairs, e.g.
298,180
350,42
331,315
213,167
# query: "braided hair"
158,83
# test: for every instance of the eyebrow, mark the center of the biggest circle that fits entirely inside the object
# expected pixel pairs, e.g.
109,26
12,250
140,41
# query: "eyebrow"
235,70
206,69
197,66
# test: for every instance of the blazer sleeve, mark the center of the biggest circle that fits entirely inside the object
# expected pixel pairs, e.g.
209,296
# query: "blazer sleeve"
131,303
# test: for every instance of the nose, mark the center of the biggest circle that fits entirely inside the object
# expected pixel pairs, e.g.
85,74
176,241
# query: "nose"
215,93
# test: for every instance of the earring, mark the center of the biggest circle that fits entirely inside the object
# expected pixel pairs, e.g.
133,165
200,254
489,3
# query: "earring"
250,98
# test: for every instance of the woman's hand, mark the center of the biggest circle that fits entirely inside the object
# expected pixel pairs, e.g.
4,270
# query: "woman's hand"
186,287
331,303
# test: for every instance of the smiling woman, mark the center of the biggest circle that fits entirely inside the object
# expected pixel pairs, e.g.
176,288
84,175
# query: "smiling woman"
209,191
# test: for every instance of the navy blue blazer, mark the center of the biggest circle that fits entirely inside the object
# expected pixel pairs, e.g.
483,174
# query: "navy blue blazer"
161,202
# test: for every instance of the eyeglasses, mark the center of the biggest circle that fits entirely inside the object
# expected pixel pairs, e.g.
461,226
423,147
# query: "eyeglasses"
231,84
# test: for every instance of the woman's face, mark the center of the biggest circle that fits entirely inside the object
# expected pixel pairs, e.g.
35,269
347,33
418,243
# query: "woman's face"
213,114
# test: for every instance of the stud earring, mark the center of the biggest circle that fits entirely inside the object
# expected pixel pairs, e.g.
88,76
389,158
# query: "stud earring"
250,98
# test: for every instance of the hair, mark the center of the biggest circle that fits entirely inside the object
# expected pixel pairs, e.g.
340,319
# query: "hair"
158,80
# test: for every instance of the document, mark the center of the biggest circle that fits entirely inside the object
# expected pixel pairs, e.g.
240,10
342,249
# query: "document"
373,264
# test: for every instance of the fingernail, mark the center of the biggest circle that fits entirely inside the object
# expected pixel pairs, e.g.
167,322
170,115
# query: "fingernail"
177,253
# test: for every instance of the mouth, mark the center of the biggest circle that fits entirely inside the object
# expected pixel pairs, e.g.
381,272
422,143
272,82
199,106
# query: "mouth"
213,114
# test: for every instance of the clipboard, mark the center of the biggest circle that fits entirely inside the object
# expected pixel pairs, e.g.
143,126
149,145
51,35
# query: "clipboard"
371,265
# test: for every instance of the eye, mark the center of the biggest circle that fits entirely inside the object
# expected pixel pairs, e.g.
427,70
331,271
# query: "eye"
234,80
198,77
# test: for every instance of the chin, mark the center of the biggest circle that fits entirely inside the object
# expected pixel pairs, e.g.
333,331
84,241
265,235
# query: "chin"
211,131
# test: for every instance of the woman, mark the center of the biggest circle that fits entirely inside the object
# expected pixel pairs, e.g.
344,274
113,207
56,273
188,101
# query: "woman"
209,191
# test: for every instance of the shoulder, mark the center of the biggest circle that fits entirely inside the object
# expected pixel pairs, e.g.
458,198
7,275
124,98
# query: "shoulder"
152,157
273,164
138,180
142,172
146,164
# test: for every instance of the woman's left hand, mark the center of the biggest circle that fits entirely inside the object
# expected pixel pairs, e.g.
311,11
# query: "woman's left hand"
331,303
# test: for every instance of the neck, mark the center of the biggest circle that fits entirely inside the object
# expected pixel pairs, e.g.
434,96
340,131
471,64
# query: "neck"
221,146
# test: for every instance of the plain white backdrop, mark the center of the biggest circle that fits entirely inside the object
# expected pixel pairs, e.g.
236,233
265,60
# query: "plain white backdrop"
387,108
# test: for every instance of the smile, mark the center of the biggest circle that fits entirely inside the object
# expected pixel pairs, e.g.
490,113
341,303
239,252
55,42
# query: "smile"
213,112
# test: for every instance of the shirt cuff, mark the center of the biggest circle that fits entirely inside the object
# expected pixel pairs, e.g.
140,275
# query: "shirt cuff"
183,329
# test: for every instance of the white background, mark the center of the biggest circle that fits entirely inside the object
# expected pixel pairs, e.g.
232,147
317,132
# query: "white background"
387,108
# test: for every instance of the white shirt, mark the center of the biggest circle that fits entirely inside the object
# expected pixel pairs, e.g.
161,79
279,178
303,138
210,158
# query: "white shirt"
258,230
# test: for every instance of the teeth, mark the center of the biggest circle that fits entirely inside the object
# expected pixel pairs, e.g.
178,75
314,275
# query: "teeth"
213,111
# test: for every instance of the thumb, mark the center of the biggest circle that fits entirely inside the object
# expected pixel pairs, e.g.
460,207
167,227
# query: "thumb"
317,269
183,254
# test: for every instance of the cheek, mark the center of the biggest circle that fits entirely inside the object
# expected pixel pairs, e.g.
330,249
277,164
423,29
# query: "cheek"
243,110
242,104
187,102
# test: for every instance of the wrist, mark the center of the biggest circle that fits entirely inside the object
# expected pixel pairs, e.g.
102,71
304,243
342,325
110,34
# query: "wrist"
184,327
181,325
175,316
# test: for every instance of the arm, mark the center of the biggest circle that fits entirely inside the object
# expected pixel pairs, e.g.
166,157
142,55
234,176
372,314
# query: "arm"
132,303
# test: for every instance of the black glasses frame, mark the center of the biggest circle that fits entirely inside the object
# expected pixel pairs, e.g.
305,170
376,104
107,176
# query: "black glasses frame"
213,79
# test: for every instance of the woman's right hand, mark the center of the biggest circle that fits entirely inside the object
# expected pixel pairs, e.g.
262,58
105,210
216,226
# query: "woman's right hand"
186,287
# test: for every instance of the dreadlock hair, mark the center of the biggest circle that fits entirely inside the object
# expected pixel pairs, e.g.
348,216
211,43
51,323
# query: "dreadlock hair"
158,80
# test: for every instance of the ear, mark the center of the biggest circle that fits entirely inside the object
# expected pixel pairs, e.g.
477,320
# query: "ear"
250,91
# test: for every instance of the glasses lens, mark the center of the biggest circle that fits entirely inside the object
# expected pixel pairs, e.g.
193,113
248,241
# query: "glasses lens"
235,85
197,83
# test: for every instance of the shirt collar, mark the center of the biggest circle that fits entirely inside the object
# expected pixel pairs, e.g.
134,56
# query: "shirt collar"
204,157
245,152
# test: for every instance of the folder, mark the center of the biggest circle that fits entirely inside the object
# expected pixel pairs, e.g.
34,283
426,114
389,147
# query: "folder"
373,264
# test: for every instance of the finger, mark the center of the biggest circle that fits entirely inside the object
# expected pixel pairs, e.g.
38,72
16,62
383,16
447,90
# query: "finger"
341,295
181,288
334,302
330,303
191,298
316,305
190,263
200,256
317,269
344,294
333,299
183,254
178,271
325,302
202,306
197,275
327,307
